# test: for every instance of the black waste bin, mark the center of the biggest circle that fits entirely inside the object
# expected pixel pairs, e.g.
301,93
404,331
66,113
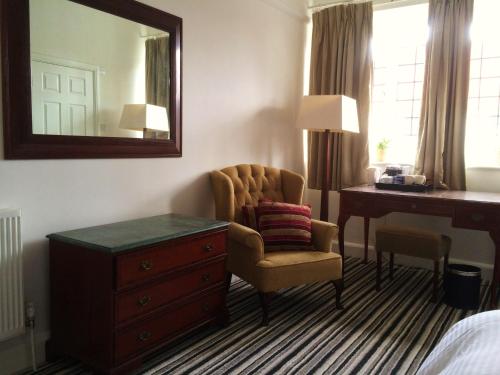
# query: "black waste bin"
462,285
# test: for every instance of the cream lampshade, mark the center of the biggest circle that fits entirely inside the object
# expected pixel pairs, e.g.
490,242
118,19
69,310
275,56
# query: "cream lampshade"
337,113
331,114
144,117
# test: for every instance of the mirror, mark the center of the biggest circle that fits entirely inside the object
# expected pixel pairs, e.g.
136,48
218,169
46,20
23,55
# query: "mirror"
98,78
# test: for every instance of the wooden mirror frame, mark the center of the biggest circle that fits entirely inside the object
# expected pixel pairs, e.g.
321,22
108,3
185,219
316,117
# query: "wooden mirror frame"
19,140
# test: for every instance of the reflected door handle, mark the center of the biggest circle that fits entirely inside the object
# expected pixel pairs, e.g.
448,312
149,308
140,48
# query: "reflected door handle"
208,247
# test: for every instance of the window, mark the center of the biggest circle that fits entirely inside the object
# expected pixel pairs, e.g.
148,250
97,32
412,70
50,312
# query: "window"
483,109
399,37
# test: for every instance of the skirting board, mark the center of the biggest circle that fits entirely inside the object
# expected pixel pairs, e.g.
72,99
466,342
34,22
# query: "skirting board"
357,250
15,354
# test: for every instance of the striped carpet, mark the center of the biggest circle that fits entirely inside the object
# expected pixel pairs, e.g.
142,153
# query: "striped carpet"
387,332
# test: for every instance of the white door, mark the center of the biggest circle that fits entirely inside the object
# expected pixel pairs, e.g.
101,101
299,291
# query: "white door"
63,100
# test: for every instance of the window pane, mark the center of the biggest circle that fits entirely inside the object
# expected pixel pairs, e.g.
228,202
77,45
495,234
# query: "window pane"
405,91
474,88
378,94
490,67
491,48
488,107
379,76
475,68
421,54
490,87
406,73
407,55
417,93
405,126
420,72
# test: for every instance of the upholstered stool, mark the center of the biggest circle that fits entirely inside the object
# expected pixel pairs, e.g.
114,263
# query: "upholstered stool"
413,242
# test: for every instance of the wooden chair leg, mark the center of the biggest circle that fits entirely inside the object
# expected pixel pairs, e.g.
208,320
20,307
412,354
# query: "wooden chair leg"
229,277
391,266
435,282
379,270
265,299
339,287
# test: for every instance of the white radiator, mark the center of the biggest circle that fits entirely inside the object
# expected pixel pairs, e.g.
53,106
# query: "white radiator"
11,275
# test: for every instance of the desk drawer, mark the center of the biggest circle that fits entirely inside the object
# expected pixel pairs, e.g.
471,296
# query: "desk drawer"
476,217
415,207
137,302
142,265
146,334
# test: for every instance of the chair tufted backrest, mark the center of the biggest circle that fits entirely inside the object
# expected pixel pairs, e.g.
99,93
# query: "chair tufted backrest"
245,184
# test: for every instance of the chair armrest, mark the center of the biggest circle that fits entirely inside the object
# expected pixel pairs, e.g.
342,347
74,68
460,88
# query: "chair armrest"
323,234
247,239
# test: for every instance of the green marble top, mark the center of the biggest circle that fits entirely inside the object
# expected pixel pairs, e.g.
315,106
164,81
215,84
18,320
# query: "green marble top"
126,235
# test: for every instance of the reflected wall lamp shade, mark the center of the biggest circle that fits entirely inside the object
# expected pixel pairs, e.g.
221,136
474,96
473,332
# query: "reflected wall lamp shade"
330,114
144,117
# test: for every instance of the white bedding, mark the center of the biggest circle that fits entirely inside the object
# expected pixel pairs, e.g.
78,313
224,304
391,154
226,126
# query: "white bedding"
471,346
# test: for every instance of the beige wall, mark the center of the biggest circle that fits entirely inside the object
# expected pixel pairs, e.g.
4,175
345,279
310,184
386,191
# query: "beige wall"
242,64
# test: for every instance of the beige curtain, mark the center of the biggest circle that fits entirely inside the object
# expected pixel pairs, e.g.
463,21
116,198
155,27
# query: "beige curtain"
440,154
341,63
158,71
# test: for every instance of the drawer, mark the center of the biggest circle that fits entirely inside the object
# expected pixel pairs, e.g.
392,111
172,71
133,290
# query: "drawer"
356,205
144,264
165,326
415,207
132,304
476,217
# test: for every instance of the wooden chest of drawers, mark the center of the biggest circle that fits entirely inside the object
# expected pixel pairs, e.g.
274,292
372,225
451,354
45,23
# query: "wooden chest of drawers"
122,291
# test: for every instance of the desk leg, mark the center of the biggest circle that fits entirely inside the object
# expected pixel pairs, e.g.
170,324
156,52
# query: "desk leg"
367,233
341,222
495,236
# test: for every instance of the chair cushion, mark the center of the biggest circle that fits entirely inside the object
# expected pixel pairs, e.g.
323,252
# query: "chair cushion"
282,269
412,241
284,226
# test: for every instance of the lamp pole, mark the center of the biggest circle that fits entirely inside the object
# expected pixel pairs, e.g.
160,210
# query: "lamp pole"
327,175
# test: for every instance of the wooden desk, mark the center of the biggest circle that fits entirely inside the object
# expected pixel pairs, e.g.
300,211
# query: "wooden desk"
467,209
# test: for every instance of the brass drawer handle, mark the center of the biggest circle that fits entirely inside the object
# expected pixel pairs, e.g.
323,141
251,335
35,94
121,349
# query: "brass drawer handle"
477,218
205,307
208,247
206,277
146,265
144,336
144,300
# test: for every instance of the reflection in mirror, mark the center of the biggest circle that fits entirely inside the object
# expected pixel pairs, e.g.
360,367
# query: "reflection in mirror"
96,74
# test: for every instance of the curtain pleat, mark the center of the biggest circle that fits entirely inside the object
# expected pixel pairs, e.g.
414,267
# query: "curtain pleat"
341,64
440,152
158,71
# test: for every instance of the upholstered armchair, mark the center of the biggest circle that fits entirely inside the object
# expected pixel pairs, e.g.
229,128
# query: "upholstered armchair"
269,271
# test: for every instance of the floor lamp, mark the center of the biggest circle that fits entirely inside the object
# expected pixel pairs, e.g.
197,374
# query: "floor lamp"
329,114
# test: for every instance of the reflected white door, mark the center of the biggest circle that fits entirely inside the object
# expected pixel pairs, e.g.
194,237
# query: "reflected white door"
63,99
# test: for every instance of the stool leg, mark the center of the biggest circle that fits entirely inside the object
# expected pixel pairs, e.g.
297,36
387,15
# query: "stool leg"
435,282
445,265
391,266
379,270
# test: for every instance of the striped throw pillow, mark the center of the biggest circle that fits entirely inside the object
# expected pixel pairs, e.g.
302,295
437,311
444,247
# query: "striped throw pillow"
285,226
